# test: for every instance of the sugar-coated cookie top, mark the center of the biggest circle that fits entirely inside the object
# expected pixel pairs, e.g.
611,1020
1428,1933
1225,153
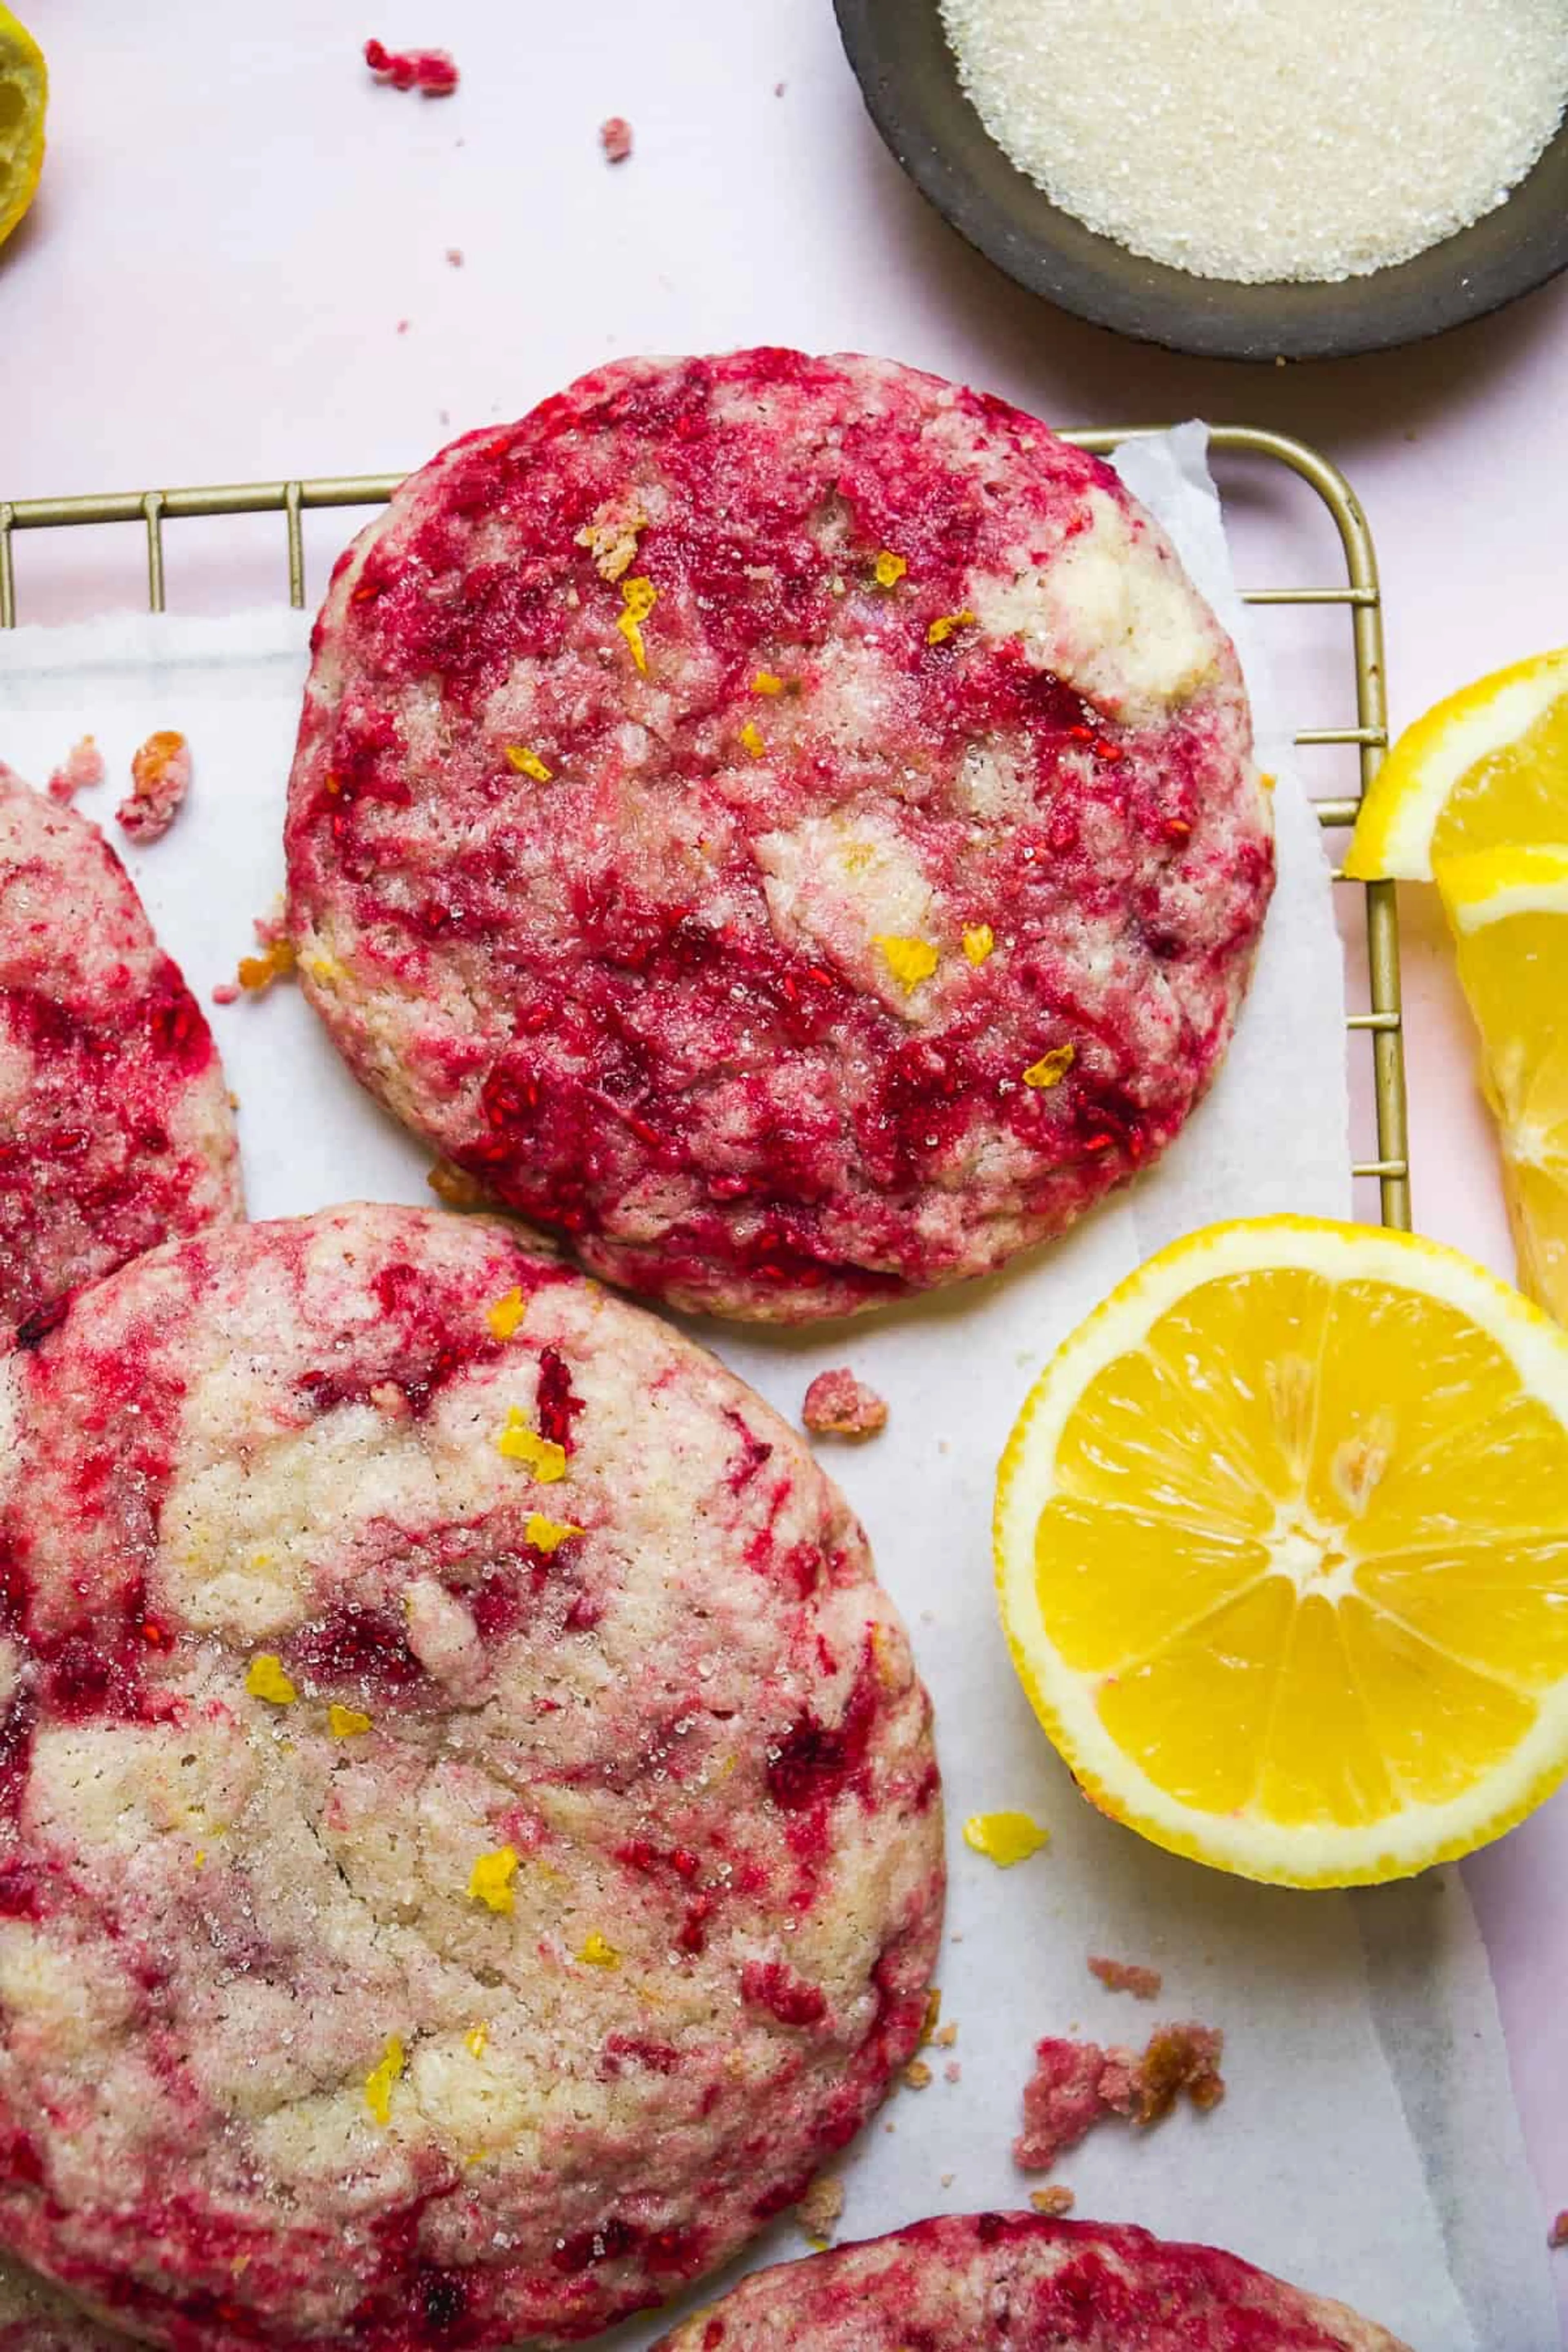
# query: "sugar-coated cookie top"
789,824
1017,2283
115,1127
470,1843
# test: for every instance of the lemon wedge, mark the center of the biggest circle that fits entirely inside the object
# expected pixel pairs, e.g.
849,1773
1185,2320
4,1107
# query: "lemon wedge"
1508,910
1490,765
24,96
1282,1552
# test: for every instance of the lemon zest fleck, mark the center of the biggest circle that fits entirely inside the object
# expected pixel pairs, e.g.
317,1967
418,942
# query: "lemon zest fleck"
527,763
259,971
752,737
518,1442
979,941
325,970
378,2083
266,1679
855,855
943,627
199,1859
489,1881
890,569
346,1722
598,1954
475,2039
767,681
639,597
1266,780
547,1535
1005,1838
1051,1068
909,961
507,1312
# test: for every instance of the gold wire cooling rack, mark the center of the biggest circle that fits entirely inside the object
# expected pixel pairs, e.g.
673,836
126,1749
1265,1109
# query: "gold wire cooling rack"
1379,1020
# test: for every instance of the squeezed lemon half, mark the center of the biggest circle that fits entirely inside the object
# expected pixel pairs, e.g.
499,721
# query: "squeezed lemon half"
1281,1541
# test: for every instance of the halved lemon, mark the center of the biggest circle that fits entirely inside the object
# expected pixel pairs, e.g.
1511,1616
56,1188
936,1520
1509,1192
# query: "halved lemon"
24,97
1488,766
1282,1552
1508,912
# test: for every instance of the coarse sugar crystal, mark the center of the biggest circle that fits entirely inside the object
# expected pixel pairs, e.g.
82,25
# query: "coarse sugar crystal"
1261,140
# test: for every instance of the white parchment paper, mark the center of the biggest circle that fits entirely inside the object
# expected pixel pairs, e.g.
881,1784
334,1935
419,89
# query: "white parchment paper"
1369,2146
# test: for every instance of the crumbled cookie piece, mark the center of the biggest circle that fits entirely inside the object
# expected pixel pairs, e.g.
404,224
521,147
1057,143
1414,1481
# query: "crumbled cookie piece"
429,72
838,1405
82,765
1076,2085
1056,2200
1558,2234
615,139
917,2074
159,778
1125,1976
819,2208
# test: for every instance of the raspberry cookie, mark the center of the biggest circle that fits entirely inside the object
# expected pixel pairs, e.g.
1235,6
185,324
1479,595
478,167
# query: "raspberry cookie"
1015,2283
115,1127
788,823
471,1844
34,2317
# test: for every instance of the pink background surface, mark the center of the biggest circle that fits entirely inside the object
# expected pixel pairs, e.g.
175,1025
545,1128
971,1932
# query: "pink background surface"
235,221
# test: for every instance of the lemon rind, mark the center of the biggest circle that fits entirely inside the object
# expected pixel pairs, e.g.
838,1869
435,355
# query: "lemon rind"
1392,838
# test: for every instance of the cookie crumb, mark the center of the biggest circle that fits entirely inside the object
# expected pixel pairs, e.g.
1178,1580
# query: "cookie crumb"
917,2074
82,765
1076,2085
454,255
819,2208
429,72
953,2072
947,2036
455,1186
1558,2234
227,991
615,139
838,1405
947,2179
1055,2200
159,778
1125,1976
277,961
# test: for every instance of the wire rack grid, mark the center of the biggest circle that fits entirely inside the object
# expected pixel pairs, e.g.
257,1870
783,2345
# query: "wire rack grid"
1379,1021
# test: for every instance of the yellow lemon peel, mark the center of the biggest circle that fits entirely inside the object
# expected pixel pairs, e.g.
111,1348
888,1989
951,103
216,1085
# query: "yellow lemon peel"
547,1535
767,681
1051,1068
475,2039
890,569
979,941
266,1679
639,597
507,1312
752,737
943,628
596,1953
346,1722
1005,1838
909,961
518,1442
527,763
489,1881
378,2083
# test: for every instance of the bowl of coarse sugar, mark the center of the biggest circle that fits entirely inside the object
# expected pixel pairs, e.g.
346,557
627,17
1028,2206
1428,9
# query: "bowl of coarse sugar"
1250,179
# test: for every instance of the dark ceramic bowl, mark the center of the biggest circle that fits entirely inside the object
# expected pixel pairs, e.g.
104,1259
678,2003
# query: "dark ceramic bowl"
911,86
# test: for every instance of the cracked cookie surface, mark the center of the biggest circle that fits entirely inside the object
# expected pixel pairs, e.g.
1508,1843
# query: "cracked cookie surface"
788,823
472,1841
